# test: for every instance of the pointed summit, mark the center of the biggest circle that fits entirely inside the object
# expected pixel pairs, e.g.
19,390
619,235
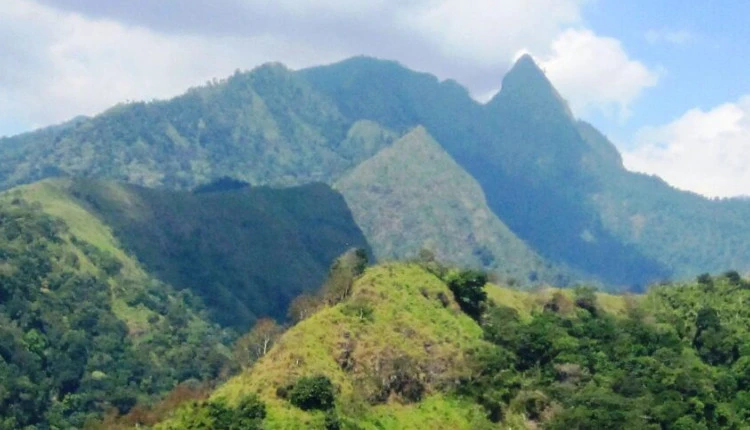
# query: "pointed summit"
525,71
526,82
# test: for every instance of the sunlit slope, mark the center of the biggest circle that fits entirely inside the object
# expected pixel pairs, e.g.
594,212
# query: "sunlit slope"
414,321
412,195
84,327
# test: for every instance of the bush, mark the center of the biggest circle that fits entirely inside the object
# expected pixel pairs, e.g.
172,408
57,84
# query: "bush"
313,393
359,308
468,288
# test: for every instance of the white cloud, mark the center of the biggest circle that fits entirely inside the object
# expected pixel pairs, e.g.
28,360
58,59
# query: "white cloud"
62,64
486,33
707,152
673,37
61,58
595,73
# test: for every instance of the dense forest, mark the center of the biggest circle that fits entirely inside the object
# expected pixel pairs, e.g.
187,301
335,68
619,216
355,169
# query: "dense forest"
67,350
245,251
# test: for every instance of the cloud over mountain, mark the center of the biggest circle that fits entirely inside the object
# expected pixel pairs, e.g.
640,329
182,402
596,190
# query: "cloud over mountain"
79,57
596,72
706,151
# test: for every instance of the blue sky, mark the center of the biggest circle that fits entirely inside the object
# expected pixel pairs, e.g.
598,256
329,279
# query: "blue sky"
707,63
667,81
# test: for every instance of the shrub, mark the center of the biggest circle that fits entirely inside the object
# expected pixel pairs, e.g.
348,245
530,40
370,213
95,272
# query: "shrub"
313,393
468,288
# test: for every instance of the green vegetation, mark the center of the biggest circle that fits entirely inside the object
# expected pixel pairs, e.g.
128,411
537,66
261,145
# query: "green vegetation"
389,369
83,329
412,195
312,393
246,252
673,361
265,127
558,184
674,358
525,190
248,414
101,288
468,290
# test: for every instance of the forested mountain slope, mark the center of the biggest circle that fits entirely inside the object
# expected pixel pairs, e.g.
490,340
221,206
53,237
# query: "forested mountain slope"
557,183
246,252
412,196
83,327
266,127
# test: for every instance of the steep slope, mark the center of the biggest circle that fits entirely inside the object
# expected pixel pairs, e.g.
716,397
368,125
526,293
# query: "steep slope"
539,150
412,327
399,354
246,252
412,195
524,149
83,328
557,183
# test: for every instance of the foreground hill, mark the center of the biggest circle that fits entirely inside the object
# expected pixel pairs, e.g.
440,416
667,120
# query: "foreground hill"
555,182
401,352
83,327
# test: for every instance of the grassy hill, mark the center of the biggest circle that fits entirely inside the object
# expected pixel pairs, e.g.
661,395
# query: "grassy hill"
399,353
413,326
412,195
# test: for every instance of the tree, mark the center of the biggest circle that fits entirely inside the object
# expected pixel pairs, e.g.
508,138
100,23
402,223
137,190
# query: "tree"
341,276
313,392
256,343
302,307
468,289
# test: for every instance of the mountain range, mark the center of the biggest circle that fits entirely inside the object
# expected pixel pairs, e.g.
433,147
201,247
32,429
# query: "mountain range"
554,183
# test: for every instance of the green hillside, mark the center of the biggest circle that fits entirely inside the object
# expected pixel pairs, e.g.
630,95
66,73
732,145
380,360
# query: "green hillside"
245,252
412,329
266,127
412,196
83,328
401,353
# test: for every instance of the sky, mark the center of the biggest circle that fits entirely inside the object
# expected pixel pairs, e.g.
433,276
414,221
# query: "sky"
668,82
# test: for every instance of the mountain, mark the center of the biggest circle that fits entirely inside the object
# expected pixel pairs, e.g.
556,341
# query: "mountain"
267,127
412,195
83,326
112,294
556,182
401,352
246,252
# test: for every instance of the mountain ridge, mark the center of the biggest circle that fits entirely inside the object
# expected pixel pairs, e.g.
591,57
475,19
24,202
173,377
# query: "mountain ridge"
557,183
